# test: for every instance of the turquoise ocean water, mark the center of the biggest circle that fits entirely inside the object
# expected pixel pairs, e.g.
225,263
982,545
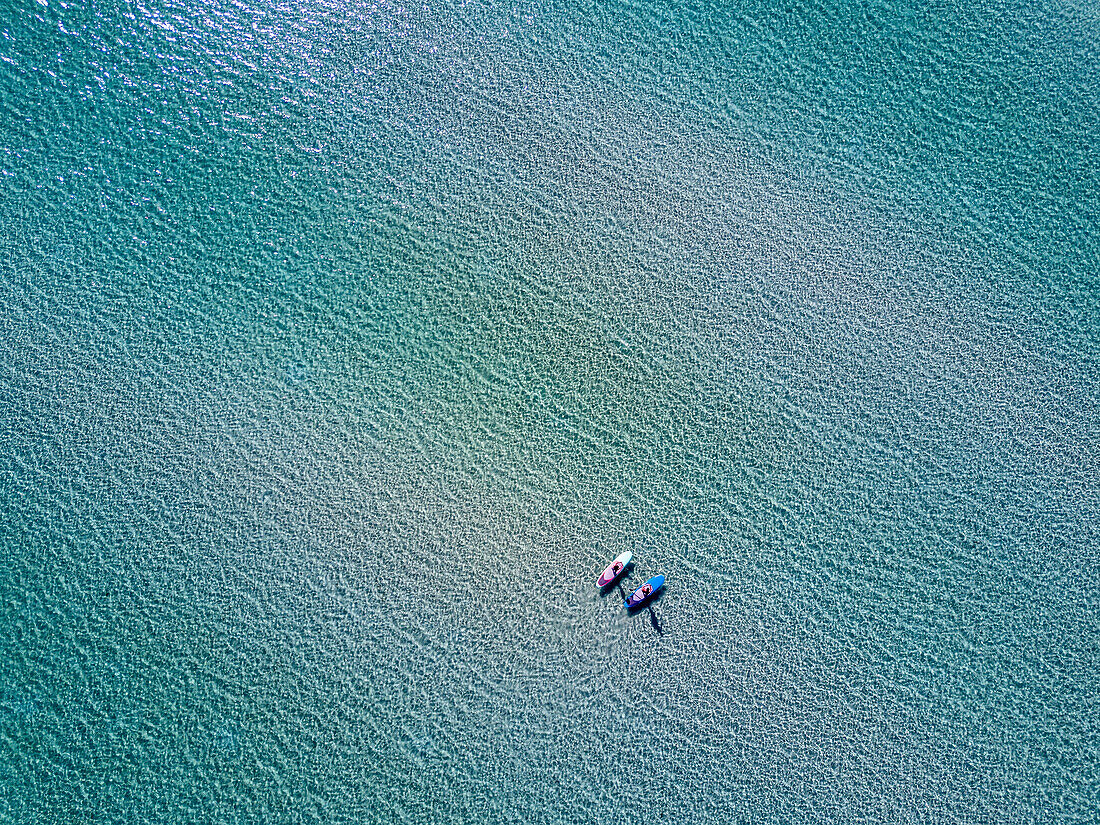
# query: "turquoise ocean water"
342,344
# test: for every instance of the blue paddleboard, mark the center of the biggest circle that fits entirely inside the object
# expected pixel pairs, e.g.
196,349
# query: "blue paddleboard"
644,593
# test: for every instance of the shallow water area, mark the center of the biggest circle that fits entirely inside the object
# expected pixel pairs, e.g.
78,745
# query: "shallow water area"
343,347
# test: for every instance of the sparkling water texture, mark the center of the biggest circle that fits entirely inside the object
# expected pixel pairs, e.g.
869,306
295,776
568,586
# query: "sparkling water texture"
343,344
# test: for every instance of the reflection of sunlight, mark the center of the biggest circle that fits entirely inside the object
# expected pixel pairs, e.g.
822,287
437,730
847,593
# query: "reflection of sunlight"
1086,8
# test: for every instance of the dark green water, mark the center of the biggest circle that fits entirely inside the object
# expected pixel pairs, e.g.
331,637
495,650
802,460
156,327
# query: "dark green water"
342,345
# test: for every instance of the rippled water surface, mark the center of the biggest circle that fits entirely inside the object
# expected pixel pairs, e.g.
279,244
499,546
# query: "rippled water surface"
343,344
